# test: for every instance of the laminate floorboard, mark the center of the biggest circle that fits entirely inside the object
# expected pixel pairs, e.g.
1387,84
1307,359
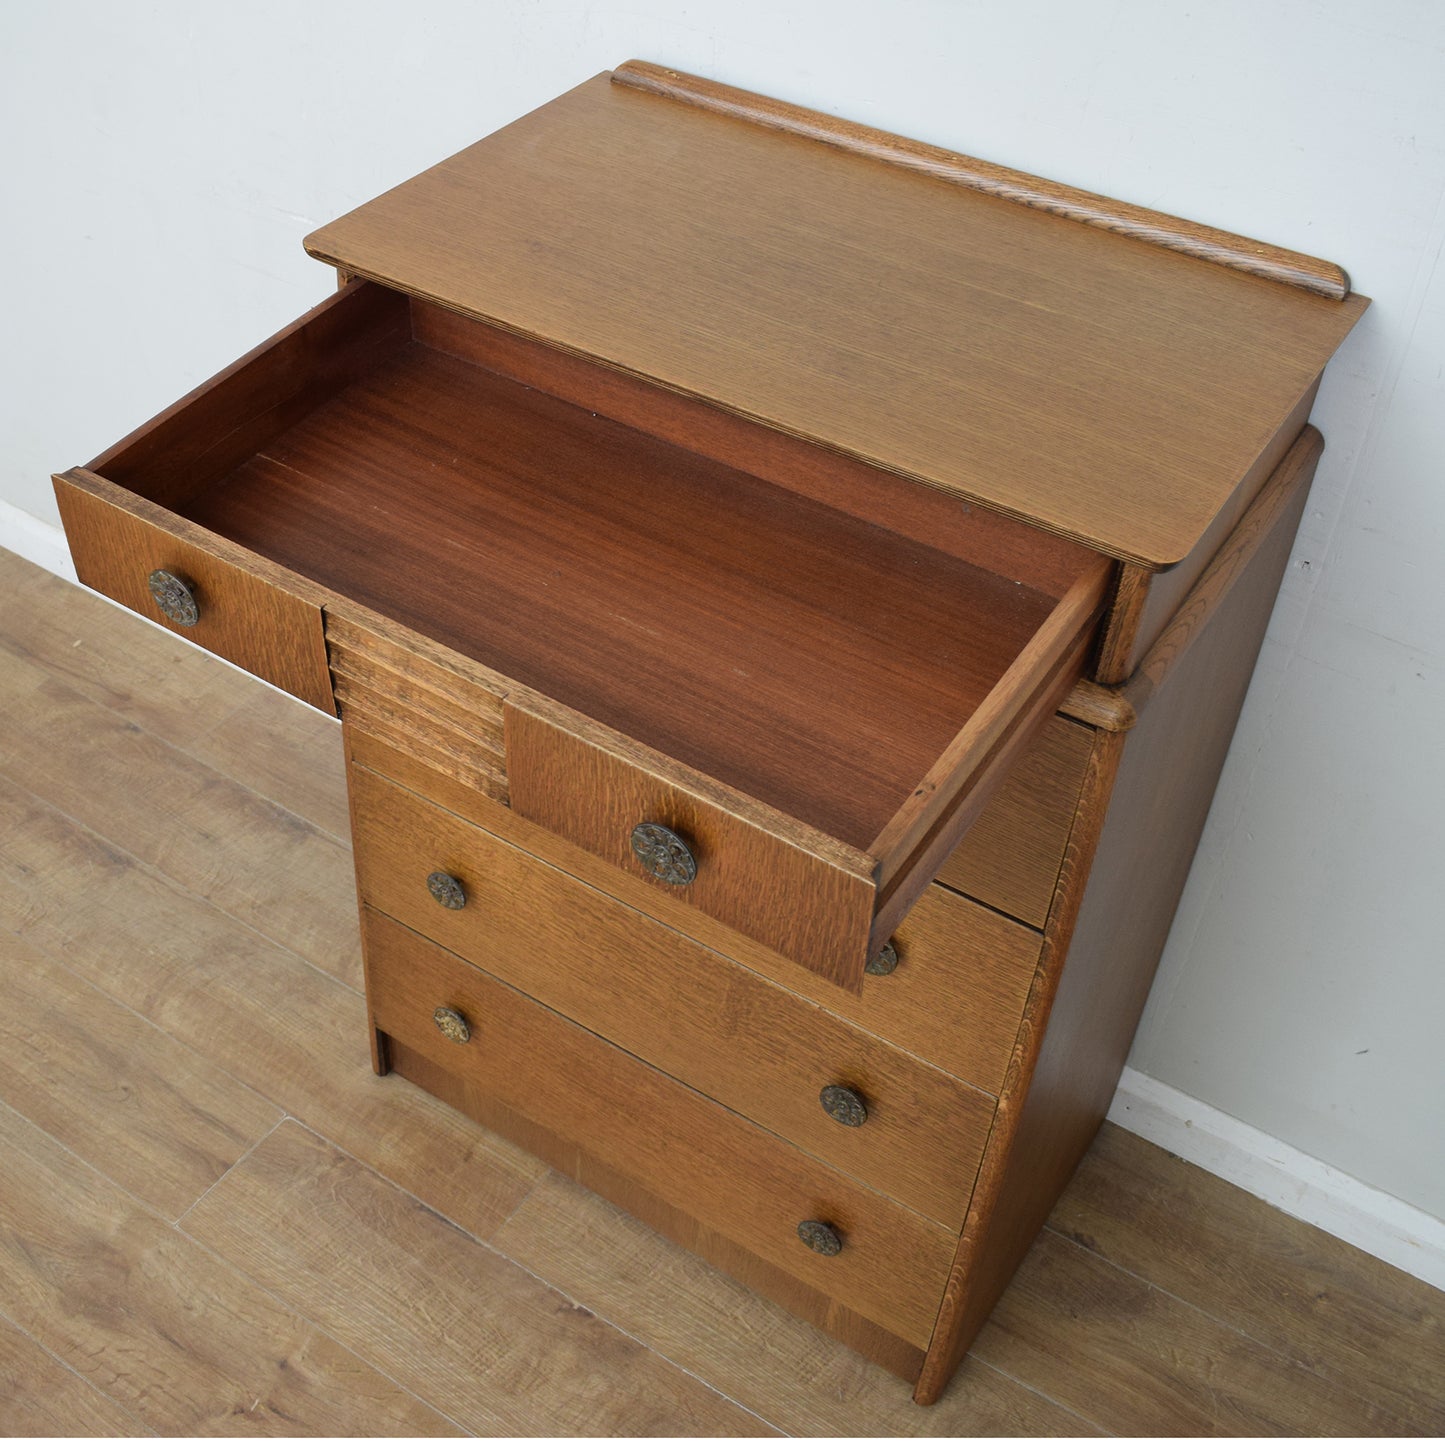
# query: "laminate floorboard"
216,1220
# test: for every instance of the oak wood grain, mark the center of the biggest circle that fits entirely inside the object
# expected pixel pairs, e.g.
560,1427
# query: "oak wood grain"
401,692
1099,707
928,515
1351,1319
976,782
41,1397
799,655
190,822
1113,661
508,1355
733,1177
300,765
241,1002
151,677
1143,1364
1167,590
177,1336
1109,390
619,1184
1123,873
1010,857
791,1373
1283,494
147,675
963,975
289,1032
1189,237
755,865
214,428
1047,666
249,614
120,1093
758,1049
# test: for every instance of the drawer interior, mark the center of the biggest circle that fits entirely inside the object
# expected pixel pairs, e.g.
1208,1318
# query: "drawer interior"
808,657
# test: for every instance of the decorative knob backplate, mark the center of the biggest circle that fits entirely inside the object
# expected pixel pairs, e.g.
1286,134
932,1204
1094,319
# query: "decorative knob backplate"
174,598
819,1237
664,854
447,891
845,1105
883,962
452,1024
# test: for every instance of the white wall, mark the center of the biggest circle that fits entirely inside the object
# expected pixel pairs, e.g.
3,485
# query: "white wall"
163,161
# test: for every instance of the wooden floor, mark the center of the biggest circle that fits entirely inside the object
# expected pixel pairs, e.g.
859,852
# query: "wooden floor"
215,1220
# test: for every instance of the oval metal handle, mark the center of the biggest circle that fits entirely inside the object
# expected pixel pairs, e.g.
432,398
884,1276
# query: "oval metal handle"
453,1024
447,891
664,854
174,597
883,962
845,1105
819,1237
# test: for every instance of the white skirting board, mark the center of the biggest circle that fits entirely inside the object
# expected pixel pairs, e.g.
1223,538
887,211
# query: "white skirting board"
1281,1175
40,542
1268,1168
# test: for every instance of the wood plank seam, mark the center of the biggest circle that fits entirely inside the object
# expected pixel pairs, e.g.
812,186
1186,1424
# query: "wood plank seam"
255,1144
482,1243
175,1225
581,1304
69,1369
1262,1345
141,865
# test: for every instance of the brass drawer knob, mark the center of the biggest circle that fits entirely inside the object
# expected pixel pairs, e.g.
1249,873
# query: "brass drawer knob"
819,1237
452,1024
883,962
664,854
845,1105
447,891
174,598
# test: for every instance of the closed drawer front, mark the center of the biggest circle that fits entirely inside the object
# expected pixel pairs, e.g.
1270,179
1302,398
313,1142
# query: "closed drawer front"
871,1110
955,996
178,575
733,1177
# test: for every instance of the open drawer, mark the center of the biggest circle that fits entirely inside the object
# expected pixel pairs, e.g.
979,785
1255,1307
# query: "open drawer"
784,712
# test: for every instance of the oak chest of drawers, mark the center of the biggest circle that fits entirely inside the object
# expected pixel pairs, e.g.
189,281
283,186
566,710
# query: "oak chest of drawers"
788,592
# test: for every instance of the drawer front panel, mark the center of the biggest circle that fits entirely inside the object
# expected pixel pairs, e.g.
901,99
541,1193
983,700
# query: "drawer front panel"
1010,858
256,621
402,696
759,1049
788,886
955,998
734,1178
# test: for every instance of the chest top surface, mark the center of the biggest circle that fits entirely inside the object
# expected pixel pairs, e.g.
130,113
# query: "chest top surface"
1108,389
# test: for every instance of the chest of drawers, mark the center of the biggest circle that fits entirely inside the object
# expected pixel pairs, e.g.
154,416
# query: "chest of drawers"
788,592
